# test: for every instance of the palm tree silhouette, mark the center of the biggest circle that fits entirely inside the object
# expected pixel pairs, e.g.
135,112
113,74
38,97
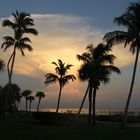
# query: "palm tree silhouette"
96,68
131,21
20,24
30,99
26,94
61,70
12,100
40,95
17,98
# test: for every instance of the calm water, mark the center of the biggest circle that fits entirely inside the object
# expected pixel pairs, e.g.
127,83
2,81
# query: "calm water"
133,112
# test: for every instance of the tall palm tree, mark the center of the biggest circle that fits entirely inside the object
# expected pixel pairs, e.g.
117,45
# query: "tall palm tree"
40,95
30,98
96,68
21,24
130,19
26,94
61,76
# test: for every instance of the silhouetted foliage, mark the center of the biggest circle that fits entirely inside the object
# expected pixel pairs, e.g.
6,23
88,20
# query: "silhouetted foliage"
21,24
96,68
26,94
30,99
40,95
12,98
61,76
130,19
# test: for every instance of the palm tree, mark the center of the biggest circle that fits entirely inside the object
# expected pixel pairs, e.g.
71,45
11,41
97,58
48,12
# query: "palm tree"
130,19
61,70
96,68
25,94
17,98
20,24
30,98
40,95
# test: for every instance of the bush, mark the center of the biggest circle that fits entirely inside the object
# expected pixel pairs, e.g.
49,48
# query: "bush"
52,117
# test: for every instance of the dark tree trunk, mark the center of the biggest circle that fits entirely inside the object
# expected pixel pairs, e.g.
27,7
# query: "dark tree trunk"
17,105
30,102
59,97
94,109
81,106
9,77
90,105
26,107
38,104
124,119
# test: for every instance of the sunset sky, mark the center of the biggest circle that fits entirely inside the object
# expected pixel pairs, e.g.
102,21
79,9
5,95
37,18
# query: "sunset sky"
65,28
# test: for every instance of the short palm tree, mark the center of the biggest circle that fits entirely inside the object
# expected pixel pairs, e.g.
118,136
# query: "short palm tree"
30,99
20,24
26,94
61,76
18,98
130,19
40,95
96,68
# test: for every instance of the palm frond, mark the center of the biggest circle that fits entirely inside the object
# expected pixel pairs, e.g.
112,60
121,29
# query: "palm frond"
25,39
23,46
9,39
107,59
67,67
7,45
133,46
40,94
65,79
50,78
85,57
112,68
31,31
121,21
8,23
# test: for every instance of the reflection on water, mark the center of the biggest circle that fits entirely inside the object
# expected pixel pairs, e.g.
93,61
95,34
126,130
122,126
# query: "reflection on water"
132,112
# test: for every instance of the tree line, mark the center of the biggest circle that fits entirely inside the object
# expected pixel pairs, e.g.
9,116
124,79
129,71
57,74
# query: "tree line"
97,62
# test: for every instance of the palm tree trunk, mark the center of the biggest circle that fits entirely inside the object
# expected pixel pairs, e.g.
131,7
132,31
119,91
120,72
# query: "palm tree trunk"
81,106
26,105
94,103
8,66
124,120
90,105
58,103
12,65
17,105
38,104
9,83
30,103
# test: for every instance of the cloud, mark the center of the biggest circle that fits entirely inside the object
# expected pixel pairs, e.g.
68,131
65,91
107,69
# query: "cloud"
60,37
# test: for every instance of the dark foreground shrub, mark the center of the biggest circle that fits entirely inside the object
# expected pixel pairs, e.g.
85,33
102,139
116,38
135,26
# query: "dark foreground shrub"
117,118
53,118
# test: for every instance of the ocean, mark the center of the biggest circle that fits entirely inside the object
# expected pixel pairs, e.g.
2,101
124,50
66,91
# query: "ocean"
131,112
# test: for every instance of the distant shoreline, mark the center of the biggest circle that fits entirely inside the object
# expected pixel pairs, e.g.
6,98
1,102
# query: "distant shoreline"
133,111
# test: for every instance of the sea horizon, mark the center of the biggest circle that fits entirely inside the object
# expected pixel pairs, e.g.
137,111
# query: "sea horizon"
99,111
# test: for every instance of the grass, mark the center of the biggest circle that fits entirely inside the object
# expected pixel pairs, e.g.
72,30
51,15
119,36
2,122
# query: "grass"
27,128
